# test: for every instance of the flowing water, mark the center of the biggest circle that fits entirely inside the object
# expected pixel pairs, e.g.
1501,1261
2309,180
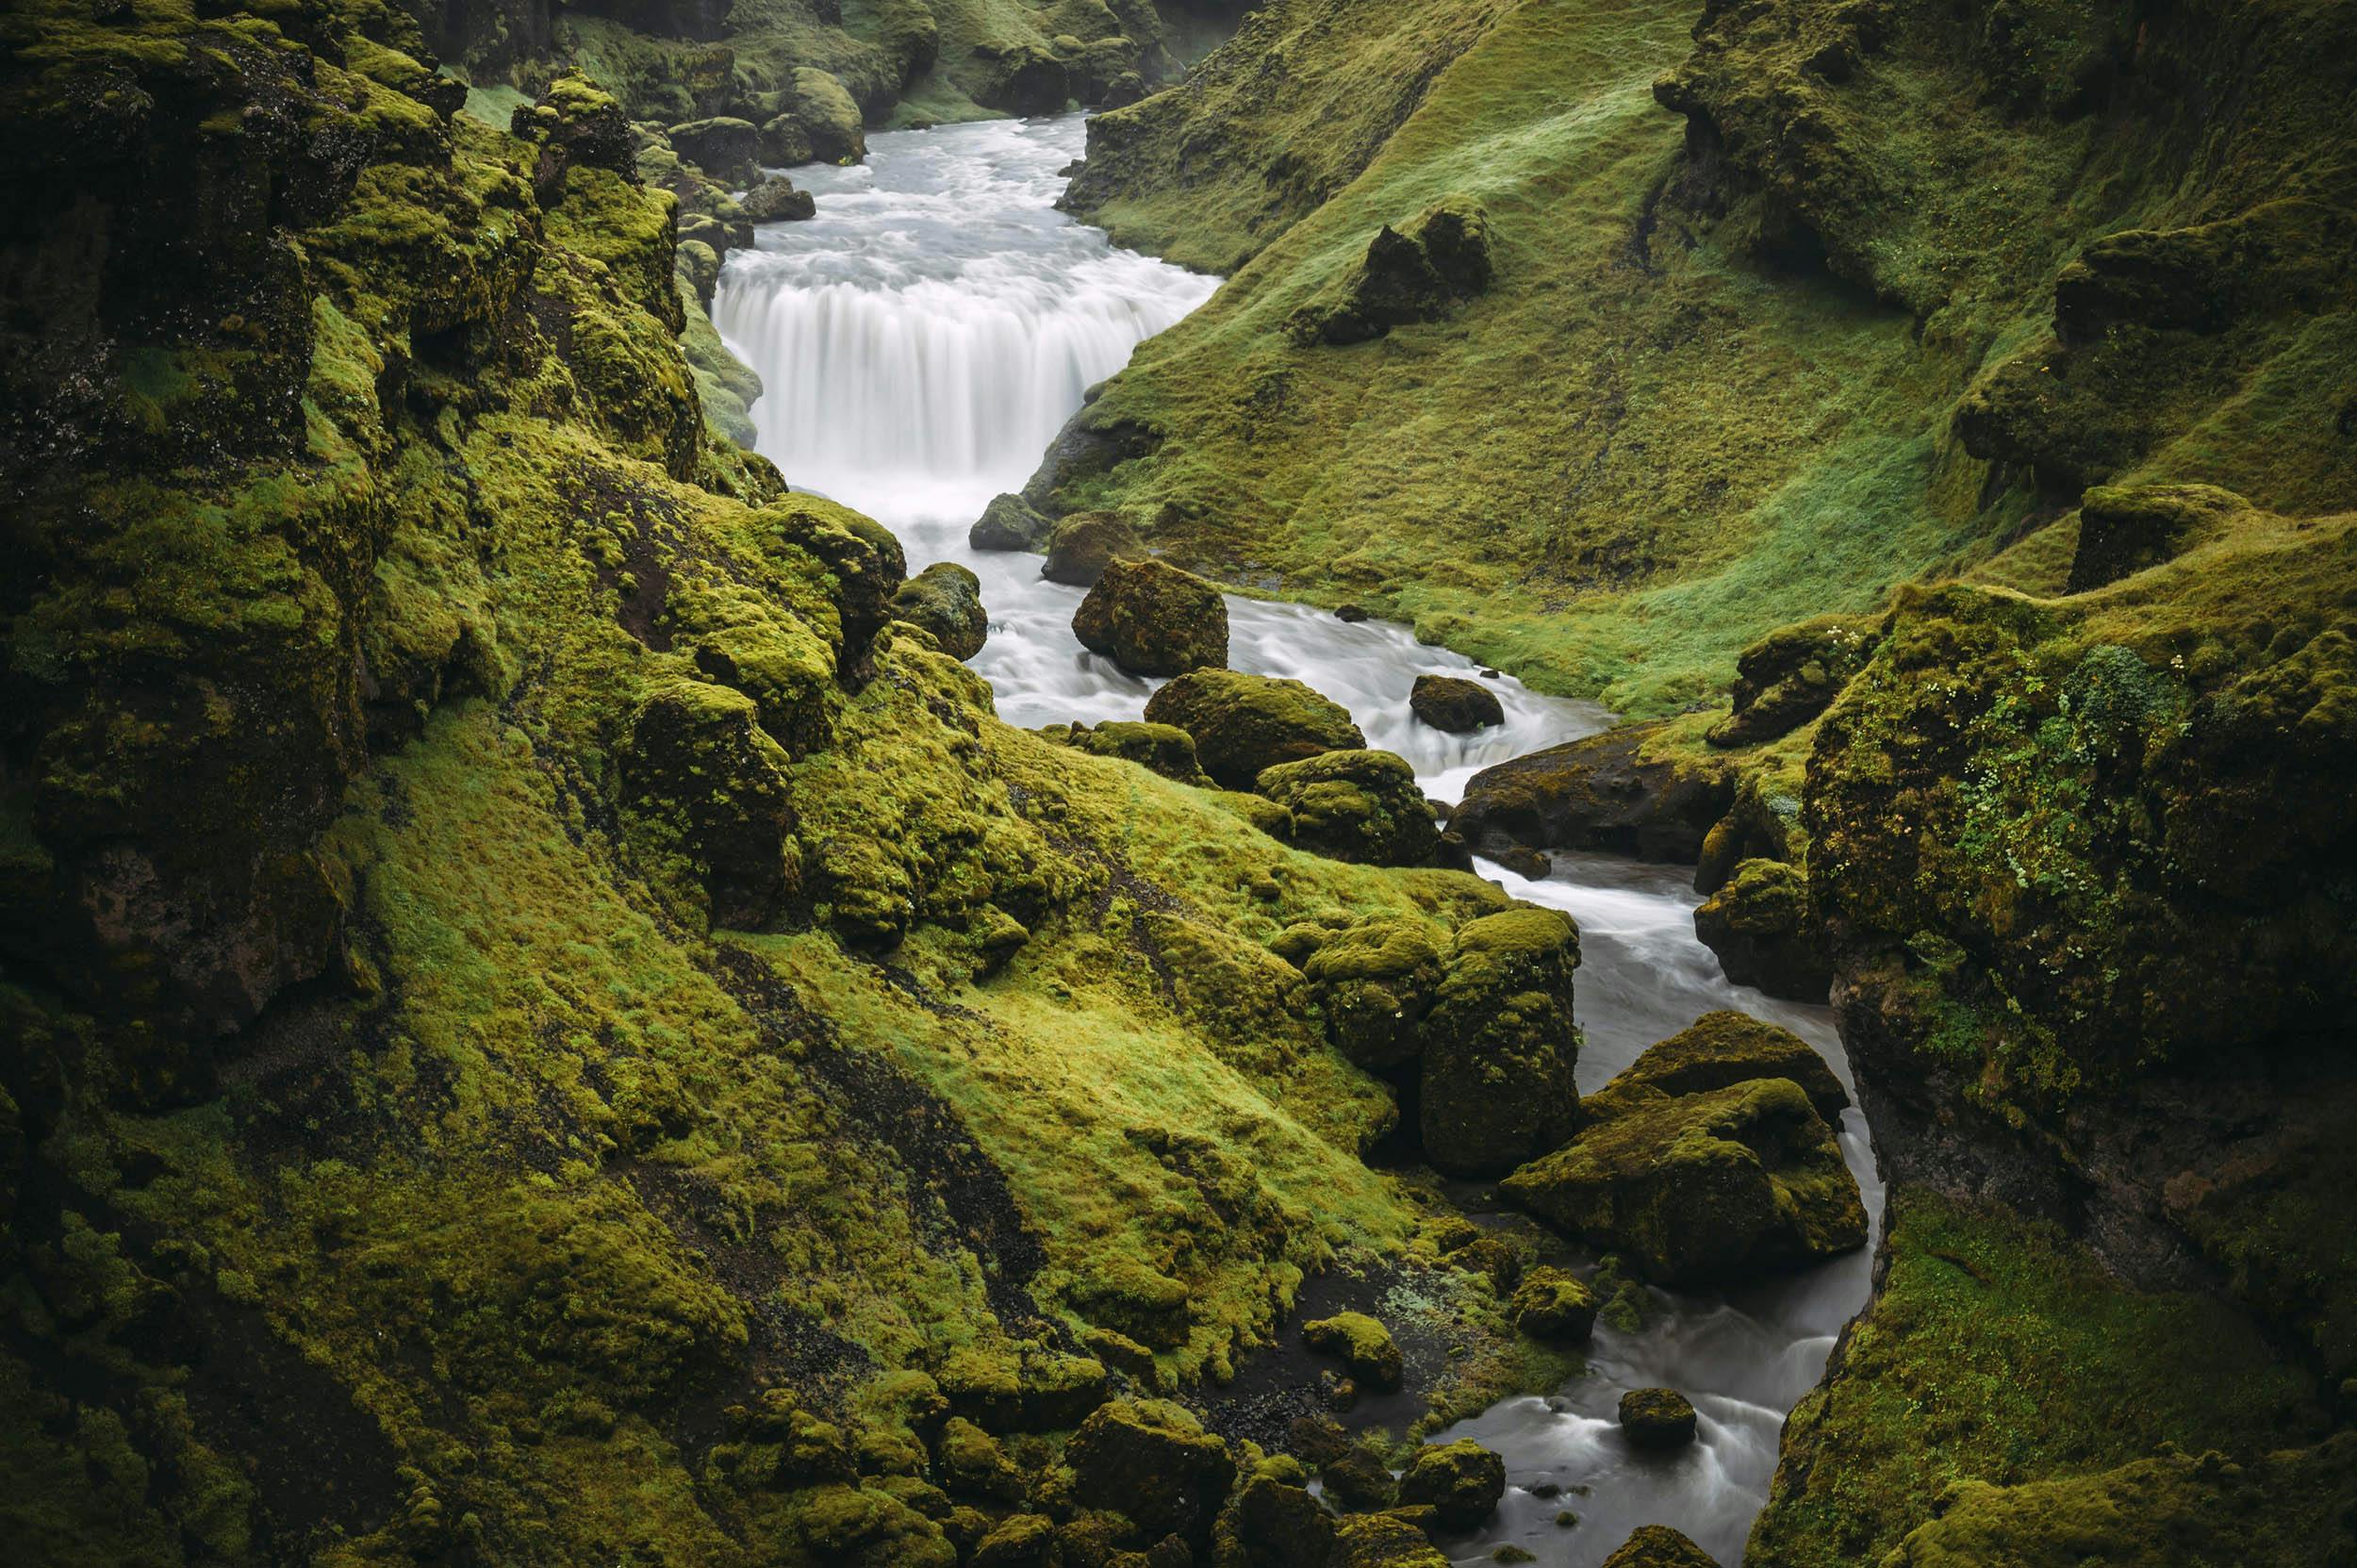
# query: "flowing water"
920,342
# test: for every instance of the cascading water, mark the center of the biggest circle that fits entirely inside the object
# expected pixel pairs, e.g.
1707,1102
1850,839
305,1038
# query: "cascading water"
920,342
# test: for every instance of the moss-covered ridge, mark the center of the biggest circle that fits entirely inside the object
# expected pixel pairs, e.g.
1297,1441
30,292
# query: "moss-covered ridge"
1901,279
405,1159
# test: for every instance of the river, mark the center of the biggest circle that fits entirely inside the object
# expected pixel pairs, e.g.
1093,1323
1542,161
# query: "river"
920,342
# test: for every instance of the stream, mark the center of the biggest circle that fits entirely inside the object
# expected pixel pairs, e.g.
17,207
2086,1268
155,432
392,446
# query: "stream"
920,342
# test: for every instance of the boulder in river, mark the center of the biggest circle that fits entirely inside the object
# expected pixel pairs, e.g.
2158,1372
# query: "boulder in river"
1009,522
1152,619
776,200
1716,1050
1375,981
1453,704
945,600
728,149
1243,723
1500,1046
1356,805
1550,1304
1758,924
1704,1189
1461,1482
1658,1418
1382,1540
827,116
1081,546
1659,1546
1600,792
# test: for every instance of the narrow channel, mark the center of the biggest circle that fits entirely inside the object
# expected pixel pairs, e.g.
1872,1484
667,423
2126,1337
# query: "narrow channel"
920,342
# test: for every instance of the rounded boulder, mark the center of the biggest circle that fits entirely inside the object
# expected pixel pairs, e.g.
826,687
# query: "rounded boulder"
1455,704
1245,723
1152,619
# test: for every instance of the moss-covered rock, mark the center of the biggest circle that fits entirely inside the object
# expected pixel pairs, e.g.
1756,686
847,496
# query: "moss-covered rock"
1009,522
1245,723
1551,1304
1079,547
946,599
1027,79
1657,1418
1455,704
1659,1546
1758,923
1500,1046
1356,805
1163,749
1375,981
1461,1482
1382,1540
970,1462
1716,1050
774,200
1704,1188
701,780
1414,273
1153,1462
1152,619
1273,1522
2124,529
1361,1342
1792,674
827,115
1358,1481
727,149
1609,791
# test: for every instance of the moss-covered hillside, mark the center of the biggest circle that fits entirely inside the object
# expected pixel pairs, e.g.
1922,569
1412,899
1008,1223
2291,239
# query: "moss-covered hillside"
537,1025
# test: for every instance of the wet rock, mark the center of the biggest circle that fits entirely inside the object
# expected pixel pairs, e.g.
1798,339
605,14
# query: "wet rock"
776,200
945,600
1350,614
1659,1546
1455,704
1375,981
1461,1484
700,265
1550,1304
1360,1482
1792,674
1153,1461
1706,1188
1354,805
1363,1345
1718,1049
1245,723
1657,1418
1521,860
1009,522
1758,924
701,779
1081,546
1600,792
1152,619
726,149
1501,1045
2123,529
1382,1540
785,142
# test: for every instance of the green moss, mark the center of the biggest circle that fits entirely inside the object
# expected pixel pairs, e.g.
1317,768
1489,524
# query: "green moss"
1361,1342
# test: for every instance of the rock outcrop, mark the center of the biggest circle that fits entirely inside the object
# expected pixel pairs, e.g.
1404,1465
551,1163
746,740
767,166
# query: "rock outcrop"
1455,704
1758,924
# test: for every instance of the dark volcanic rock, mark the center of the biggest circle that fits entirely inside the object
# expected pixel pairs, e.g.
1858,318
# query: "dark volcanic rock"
1009,522
1152,1462
775,200
1152,619
726,149
1453,704
1758,924
1600,792
1461,1484
1658,1418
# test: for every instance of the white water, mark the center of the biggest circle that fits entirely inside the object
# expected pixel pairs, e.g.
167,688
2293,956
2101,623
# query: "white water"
921,341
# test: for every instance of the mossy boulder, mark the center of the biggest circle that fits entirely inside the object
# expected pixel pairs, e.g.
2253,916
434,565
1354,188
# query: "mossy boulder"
1716,1050
1657,1418
946,599
776,200
1792,674
1659,1546
1358,1481
968,1463
1152,619
1453,704
1758,924
1361,1343
1382,1540
1461,1482
1081,546
1025,79
1273,1522
1153,1462
785,142
1609,791
911,35
1019,1541
1550,1304
725,148
1025,1388
1242,724
1496,1078
1163,749
865,1526
2124,529
1708,1188
1415,273
827,116
1009,522
1375,981
1356,805
703,780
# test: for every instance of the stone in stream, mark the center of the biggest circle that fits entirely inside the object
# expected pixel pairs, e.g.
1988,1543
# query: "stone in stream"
1152,619
1658,1418
1243,723
1719,1049
1354,805
776,200
1081,546
1461,1482
945,600
1600,792
1455,704
727,150
1758,924
1009,522
1500,1046
1659,1546
1550,1304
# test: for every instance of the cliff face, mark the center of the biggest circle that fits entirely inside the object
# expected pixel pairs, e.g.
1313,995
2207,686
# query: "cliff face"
493,1061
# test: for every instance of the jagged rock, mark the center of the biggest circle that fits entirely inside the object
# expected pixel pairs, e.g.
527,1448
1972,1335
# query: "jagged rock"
1500,1044
1382,1540
1152,619
1792,674
1120,92
2124,529
1409,276
1550,1304
1455,704
1273,1522
1081,546
1706,1188
1657,1418
1009,522
968,1461
726,149
1024,80
776,200
1374,983
701,779
1354,805
1245,723
1659,1546
1758,924
1152,1462
785,142
946,599
1363,1345
1718,1049
1360,1482
1462,1482
1600,792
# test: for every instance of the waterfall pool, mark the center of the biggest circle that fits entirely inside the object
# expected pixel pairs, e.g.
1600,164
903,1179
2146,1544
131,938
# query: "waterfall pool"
920,342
